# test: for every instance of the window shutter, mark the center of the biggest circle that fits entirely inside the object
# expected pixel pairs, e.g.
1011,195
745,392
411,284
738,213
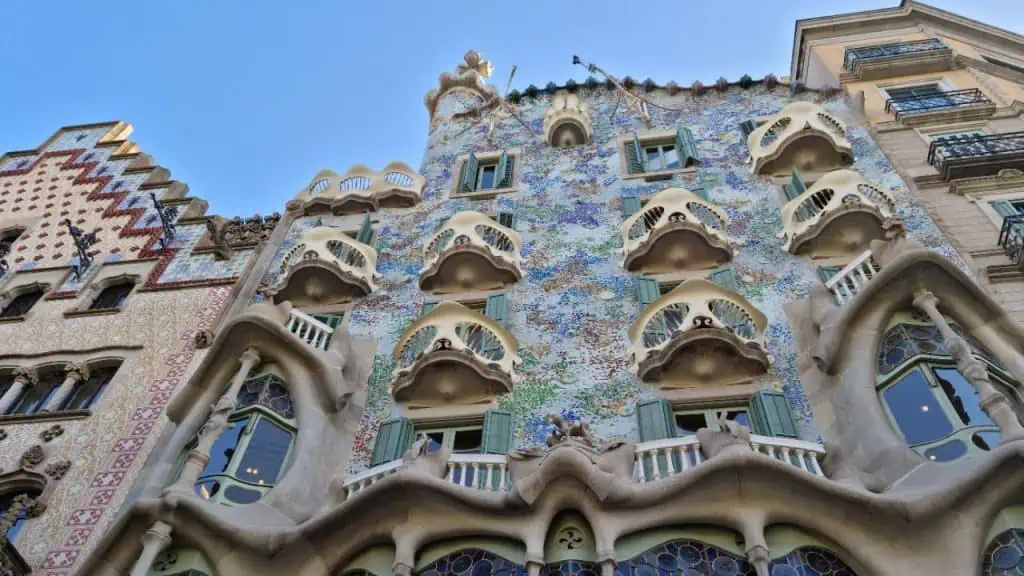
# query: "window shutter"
497,308
770,415
1004,208
797,185
726,278
825,273
497,432
747,127
503,175
635,159
700,191
365,234
630,205
507,219
469,168
647,290
655,420
394,437
686,147
332,320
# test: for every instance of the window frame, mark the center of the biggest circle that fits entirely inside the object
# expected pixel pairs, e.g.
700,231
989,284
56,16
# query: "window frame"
484,159
449,430
117,283
16,292
711,412
941,82
985,202
647,140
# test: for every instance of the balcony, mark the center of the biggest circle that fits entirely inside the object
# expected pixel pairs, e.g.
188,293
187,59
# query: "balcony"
362,189
972,155
803,136
471,252
453,355
699,334
839,215
1011,238
849,281
896,59
326,266
656,460
309,329
675,230
955,105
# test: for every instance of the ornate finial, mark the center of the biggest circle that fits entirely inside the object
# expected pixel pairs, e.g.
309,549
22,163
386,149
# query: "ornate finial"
82,242
167,216
473,61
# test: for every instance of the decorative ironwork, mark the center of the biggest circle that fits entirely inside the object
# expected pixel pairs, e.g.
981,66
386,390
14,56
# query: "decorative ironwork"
935,101
167,216
854,56
945,152
1011,237
83,241
633,101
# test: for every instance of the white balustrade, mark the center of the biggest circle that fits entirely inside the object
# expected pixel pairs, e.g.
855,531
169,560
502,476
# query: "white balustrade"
851,279
661,459
488,472
309,329
368,478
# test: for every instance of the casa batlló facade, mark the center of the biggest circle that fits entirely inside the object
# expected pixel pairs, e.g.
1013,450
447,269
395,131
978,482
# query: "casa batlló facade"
607,327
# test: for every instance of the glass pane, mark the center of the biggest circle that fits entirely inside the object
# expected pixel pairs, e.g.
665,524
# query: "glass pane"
1018,206
111,297
86,393
946,452
467,441
653,158
435,440
688,424
917,412
240,495
740,417
224,448
671,157
207,489
265,454
21,304
34,398
486,177
962,396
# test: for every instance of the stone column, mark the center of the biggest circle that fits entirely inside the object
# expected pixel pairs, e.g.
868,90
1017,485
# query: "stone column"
23,378
758,556
992,401
75,374
154,541
215,424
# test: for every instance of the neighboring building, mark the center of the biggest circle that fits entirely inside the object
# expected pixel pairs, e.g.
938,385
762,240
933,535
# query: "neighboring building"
608,327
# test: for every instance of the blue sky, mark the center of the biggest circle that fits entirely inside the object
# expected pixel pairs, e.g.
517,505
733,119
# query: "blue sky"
245,100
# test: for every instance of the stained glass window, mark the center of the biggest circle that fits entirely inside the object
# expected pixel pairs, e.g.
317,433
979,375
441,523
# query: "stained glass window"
471,562
267,390
809,561
1004,556
686,557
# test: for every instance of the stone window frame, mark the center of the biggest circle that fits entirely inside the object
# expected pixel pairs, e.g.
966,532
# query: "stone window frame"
486,158
110,274
10,293
645,138
984,204
48,278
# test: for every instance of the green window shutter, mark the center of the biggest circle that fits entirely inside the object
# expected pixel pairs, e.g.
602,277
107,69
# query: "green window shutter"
635,159
655,420
1004,208
507,219
365,234
747,127
797,184
686,147
726,278
497,308
332,320
701,191
630,205
497,432
506,167
825,273
469,168
770,415
647,290
394,437
428,307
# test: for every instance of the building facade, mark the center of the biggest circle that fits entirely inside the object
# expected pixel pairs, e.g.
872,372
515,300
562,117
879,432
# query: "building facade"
608,327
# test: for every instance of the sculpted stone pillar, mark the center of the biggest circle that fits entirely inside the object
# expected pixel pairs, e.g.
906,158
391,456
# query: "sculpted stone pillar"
75,374
154,541
23,378
215,424
992,401
759,557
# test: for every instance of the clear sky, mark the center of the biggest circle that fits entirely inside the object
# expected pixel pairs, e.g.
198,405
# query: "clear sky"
244,100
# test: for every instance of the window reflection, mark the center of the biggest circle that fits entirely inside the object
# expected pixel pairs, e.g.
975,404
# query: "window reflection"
264,457
916,411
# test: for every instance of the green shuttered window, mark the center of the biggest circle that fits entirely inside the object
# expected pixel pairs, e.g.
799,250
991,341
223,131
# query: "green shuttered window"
795,187
497,432
497,308
647,290
483,175
394,437
366,234
770,415
726,278
469,169
630,205
508,219
1005,208
686,147
655,420
747,127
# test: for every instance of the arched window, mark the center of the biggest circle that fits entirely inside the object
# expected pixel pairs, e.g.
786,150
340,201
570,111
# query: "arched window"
112,296
249,457
33,398
929,402
88,392
19,504
22,302
180,561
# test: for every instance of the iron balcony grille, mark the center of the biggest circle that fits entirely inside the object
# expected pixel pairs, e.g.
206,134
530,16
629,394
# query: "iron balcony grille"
854,56
1011,237
935,101
974,146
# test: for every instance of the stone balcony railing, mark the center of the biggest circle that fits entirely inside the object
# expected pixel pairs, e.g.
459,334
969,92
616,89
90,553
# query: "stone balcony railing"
675,230
730,329
896,59
453,353
653,461
309,329
803,136
326,265
830,215
363,189
851,279
471,252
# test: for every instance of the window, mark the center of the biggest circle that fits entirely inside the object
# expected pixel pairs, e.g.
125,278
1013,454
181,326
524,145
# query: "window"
689,420
767,413
22,303
661,154
1008,207
919,97
481,175
7,502
112,297
458,440
86,393
33,398
397,435
7,240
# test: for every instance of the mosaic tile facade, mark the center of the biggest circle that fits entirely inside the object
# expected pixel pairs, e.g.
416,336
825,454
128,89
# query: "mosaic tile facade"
572,309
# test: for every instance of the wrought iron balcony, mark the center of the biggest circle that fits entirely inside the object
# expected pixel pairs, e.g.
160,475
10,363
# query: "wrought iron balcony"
1011,238
326,265
699,332
897,59
675,230
840,214
936,101
471,252
976,154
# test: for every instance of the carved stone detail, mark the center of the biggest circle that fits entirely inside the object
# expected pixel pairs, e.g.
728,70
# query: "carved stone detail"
57,470
224,236
51,433
32,457
730,437
29,376
202,339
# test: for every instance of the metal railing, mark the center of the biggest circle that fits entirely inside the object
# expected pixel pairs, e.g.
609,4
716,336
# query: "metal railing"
1011,237
854,56
974,146
935,101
